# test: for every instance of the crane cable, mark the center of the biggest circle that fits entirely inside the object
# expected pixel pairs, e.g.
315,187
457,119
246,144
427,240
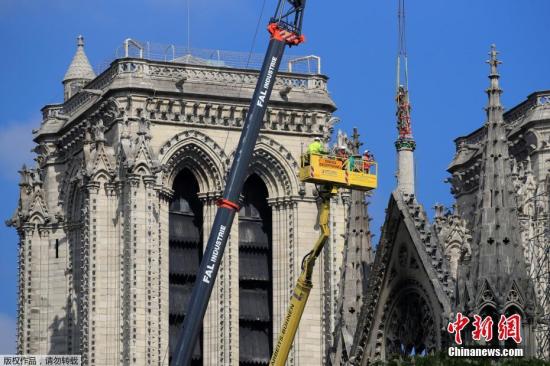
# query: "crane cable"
188,27
402,57
250,52
402,48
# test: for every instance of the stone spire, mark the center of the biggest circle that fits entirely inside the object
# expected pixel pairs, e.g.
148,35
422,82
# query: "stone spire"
498,274
356,261
358,228
79,72
405,143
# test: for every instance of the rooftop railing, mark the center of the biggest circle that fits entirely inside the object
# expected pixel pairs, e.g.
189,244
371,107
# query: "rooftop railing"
218,58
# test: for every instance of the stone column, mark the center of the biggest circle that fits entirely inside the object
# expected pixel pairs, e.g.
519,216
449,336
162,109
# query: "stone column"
129,270
279,274
34,314
152,271
405,171
308,342
284,219
230,266
22,279
26,325
164,197
41,273
331,266
87,286
72,231
144,325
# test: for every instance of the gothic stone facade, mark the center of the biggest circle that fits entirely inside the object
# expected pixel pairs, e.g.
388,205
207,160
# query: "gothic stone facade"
94,215
527,135
470,258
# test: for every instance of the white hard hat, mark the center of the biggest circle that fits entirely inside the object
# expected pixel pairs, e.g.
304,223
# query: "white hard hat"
366,151
343,147
317,139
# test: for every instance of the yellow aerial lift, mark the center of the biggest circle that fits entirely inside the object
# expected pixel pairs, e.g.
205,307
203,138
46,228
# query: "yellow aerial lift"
329,173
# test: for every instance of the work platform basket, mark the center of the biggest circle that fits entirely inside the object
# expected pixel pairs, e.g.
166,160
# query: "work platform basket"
355,172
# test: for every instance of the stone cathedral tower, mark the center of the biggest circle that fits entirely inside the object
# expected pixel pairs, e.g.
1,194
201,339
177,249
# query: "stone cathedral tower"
500,178
113,218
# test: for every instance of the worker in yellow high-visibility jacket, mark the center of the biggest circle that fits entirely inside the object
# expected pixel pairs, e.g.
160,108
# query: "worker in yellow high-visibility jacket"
316,147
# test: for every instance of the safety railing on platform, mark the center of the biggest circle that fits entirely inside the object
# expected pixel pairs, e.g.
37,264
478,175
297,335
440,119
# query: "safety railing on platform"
353,163
351,171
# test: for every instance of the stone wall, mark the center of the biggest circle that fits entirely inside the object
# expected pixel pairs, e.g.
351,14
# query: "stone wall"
93,214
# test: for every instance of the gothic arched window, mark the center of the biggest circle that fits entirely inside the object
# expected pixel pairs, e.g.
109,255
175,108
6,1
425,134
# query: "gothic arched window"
410,328
185,253
255,278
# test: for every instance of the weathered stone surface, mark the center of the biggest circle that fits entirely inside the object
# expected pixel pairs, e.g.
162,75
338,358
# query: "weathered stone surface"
490,250
93,216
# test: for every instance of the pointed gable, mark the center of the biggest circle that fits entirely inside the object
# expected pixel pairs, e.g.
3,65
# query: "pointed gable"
409,276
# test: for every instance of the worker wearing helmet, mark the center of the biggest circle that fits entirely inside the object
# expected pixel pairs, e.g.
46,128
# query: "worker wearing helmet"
341,151
316,147
368,159
343,155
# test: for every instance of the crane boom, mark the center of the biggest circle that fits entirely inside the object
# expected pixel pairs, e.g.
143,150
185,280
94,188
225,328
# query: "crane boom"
285,29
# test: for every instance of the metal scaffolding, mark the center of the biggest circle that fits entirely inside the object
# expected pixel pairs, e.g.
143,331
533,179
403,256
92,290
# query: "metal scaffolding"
538,258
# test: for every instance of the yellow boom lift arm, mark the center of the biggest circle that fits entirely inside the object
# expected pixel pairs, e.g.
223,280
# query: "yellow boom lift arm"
331,173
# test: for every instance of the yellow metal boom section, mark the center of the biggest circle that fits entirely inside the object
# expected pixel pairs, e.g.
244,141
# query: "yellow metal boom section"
303,287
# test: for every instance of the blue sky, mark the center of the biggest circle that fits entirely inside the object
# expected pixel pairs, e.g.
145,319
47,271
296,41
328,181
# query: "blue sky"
448,43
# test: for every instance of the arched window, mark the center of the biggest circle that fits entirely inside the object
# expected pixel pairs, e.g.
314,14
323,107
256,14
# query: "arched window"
410,328
255,278
185,238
